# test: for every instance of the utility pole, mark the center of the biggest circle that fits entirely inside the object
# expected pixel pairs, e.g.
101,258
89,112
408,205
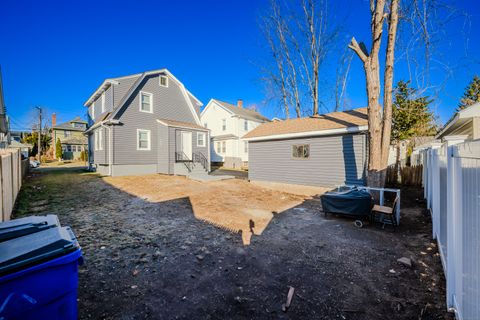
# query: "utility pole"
39,148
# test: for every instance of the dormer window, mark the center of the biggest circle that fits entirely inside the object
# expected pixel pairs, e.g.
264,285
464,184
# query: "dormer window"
103,102
163,81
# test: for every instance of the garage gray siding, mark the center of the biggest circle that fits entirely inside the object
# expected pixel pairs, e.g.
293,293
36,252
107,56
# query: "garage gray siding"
333,160
168,103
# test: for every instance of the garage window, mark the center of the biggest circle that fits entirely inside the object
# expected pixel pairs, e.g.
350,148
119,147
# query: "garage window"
301,151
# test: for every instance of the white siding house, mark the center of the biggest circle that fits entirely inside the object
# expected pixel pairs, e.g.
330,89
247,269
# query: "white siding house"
227,124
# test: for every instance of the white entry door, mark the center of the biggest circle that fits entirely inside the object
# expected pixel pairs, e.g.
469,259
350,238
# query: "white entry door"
187,144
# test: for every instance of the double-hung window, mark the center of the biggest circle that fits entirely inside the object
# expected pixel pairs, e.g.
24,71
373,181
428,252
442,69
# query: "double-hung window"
245,146
103,102
143,139
93,111
245,125
301,151
200,139
98,135
224,147
146,102
219,147
224,124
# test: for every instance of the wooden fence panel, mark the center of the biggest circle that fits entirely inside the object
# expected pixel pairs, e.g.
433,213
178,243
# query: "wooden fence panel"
10,181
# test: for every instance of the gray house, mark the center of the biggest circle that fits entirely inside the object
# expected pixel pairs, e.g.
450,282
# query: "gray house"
325,150
146,123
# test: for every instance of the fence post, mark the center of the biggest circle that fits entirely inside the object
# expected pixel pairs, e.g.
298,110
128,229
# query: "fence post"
2,198
454,194
435,187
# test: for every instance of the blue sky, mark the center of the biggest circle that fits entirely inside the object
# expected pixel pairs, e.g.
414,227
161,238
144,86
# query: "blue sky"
55,53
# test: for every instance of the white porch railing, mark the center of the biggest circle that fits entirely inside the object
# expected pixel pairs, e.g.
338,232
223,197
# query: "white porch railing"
381,192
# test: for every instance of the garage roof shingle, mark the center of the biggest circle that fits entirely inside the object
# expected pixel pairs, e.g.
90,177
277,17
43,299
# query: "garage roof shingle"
334,120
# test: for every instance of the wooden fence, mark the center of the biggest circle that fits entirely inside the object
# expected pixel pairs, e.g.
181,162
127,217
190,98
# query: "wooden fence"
10,180
407,175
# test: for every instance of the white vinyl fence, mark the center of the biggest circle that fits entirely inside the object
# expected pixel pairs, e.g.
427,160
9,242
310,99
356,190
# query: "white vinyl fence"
10,181
452,190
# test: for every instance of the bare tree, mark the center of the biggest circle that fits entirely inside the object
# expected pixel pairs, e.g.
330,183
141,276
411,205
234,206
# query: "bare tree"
343,69
299,40
422,23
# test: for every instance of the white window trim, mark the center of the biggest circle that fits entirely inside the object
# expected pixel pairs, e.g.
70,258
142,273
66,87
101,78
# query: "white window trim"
140,101
103,102
224,127
245,146
138,140
93,111
204,137
160,81
98,136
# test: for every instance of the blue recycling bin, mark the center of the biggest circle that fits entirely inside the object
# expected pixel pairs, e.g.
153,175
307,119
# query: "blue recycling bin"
39,275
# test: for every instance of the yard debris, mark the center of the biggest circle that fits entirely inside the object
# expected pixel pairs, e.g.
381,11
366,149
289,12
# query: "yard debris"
135,272
200,257
391,271
405,261
286,305
134,287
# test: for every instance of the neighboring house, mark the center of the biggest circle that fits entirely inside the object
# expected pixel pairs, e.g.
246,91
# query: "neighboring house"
325,150
23,147
146,123
465,122
227,124
18,135
72,137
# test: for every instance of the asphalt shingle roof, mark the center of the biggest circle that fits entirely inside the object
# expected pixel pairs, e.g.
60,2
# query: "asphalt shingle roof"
334,120
242,112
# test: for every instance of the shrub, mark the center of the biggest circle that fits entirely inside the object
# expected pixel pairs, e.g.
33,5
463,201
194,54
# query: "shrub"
58,149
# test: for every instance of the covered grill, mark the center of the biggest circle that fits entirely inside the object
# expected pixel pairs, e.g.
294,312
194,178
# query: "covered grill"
355,203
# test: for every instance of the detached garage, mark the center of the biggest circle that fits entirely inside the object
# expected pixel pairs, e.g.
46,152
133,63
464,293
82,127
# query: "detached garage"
325,150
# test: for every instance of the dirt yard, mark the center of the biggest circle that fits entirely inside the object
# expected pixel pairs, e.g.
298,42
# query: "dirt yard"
161,247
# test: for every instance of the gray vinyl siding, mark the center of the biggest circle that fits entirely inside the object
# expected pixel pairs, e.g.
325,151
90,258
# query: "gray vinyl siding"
168,103
163,164
109,99
100,156
122,87
333,160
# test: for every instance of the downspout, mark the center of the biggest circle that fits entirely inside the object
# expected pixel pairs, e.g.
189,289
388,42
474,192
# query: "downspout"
208,151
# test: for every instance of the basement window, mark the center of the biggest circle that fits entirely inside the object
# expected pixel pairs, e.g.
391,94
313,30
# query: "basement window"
301,151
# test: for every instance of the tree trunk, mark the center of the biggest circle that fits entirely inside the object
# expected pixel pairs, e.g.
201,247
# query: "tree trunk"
376,172
388,80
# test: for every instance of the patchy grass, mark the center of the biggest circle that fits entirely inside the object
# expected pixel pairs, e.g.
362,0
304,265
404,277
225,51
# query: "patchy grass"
52,192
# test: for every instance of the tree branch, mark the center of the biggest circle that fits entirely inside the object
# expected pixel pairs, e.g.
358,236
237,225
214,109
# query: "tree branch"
358,50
